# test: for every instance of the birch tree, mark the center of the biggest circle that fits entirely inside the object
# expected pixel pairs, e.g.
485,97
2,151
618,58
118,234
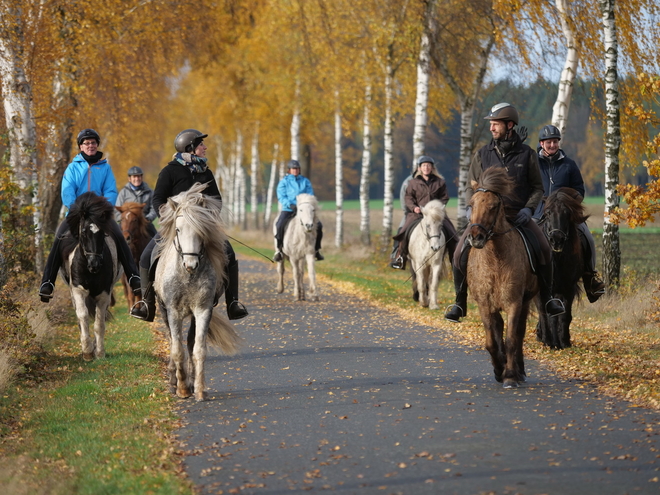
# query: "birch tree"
339,178
423,74
271,187
611,247
254,172
365,235
569,72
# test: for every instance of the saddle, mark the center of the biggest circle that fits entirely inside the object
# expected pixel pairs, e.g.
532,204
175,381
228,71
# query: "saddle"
532,247
405,235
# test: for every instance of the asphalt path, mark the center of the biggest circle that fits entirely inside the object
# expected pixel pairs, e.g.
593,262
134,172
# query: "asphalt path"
344,397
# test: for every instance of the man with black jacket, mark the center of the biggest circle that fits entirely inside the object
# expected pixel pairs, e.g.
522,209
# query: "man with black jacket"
508,151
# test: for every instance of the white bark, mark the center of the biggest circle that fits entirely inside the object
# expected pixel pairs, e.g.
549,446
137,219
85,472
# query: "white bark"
295,126
388,168
237,177
365,235
611,247
254,172
339,179
271,187
242,190
422,99
569,72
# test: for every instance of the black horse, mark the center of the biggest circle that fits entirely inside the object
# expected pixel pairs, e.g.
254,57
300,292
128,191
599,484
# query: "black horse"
562,214
90,267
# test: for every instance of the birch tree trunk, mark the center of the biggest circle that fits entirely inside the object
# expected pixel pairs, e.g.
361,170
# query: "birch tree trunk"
243,198
388,172
365,235
237,177
295,126
422,99
271,187
611,247
254,172
339,179
568,73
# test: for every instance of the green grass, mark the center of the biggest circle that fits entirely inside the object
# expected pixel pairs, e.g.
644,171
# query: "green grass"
101,427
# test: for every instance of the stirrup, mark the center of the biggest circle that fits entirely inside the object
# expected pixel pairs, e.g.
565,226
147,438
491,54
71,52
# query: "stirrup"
278,256
46,296
236,310
397,264
450,313
136,311
557,313
138,289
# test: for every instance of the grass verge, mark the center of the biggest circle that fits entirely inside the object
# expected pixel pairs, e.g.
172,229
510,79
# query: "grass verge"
93,428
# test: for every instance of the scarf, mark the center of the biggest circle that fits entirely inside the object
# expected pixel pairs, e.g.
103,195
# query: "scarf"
194,163
91,160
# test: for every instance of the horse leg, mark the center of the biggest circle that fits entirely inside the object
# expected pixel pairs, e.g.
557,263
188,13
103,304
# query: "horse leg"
78,297
436,269
494,326
513,345
99,324
198,354
311,273
413,277
128,293
280,277
565,324
177,354
423,287
298,288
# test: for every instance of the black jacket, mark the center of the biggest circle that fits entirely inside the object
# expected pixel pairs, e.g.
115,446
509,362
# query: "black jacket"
560,172
176,178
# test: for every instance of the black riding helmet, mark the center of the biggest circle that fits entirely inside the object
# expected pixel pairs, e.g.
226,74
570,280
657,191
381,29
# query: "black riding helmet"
503,111
88,134
187,140
549,132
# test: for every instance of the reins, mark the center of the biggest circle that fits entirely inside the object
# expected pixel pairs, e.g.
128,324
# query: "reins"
490,232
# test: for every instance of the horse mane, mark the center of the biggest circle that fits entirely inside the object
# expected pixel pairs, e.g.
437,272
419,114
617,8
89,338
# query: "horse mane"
497,180
137,210
202,213
435,210
90,206
571,200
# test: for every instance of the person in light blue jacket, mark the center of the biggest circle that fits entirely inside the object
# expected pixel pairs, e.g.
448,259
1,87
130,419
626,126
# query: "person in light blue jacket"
289,187
88,171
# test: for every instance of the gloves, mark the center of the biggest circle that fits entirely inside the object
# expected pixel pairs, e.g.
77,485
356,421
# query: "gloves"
468,213
523,217
522,133
293,208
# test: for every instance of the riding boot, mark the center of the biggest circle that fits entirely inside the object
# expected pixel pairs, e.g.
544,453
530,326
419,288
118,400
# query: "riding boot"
553,306
593,285
317,246
53,264
146,308
458,310
235,310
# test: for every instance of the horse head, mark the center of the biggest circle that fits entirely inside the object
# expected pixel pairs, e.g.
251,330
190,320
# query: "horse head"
488,211
306,211
89,219
132,219
562,212
433,216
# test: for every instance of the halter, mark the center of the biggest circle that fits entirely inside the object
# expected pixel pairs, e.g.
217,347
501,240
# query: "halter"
490,232
304,203
177,246
82,246
563,236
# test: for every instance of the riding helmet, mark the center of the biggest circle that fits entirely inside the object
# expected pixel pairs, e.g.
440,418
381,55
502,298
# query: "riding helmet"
549,132
294,164
88,134
187,140
135,171
425,159
503,111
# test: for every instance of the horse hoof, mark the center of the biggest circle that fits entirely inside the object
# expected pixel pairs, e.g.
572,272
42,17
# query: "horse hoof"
183,393
88,356
201,397
510,383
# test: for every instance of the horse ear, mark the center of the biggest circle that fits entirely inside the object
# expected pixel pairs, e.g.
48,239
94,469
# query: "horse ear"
120,208
474,184
172,204
142,205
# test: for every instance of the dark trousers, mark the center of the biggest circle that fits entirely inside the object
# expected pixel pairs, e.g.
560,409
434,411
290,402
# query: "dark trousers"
281,223
54,261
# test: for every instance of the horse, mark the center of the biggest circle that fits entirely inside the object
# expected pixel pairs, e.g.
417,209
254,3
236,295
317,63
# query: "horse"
426,250
499,275
298,246
134,227
90,267
562,213
189,279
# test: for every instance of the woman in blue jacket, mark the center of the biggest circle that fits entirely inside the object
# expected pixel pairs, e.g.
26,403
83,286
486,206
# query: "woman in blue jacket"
289,187
88,171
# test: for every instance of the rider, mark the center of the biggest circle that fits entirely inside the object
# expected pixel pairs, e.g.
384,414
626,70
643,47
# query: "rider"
288,189
558,170
507,150
188,166
138,191
426,185
88,171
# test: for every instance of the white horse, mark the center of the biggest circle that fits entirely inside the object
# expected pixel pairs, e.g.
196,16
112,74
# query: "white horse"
426,251
189,279
298,246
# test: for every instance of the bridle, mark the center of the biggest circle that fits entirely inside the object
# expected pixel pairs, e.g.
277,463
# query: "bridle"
563,236
82,245
177,246
490,232
297,209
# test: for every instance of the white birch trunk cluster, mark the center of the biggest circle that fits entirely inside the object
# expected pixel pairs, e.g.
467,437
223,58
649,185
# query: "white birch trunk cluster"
388,172
339,180
422,99
365,235
271,187
254,172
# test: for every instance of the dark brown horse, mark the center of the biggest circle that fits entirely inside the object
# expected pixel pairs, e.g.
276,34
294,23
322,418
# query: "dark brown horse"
134,226
562,214
499,275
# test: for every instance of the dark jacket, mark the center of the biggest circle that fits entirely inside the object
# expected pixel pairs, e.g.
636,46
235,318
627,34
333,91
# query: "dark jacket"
176,178
522,166
558,171
419,192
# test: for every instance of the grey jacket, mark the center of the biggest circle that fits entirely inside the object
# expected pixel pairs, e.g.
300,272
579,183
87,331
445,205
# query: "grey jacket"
143,195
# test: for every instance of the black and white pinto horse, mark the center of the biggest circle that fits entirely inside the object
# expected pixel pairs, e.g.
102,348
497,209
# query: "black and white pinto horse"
298,246
189,279
90,267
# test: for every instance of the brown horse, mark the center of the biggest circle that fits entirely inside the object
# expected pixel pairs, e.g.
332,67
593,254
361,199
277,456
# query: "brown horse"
134,226
499,275
562,213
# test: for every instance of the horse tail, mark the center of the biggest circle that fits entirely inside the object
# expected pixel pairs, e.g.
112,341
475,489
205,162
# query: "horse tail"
222,334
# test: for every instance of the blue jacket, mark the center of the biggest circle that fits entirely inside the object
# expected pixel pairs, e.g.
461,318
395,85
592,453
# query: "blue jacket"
561,172
289,187
80,177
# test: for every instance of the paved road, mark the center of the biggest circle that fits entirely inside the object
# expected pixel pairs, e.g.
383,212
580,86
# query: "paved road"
338,396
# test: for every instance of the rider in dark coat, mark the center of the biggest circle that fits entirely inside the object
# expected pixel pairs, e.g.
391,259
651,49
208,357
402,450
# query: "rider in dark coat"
426,185
508,151
558,170
187,167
